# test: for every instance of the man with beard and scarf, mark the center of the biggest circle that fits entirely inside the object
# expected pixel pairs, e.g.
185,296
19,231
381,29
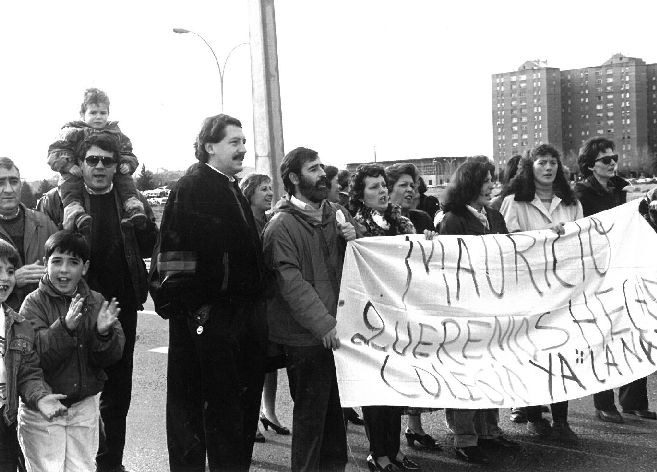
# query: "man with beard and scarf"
210,263
304,246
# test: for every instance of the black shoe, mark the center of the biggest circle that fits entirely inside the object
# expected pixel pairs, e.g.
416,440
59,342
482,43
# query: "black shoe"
539,428
118,468
610,416
518,415
83,225
424,441
561,432
259,438
471,454
406,464
374,466
279,429
135,219
498,443
645,414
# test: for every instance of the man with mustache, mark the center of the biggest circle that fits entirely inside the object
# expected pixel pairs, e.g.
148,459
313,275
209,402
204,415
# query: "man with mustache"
210,262
304,246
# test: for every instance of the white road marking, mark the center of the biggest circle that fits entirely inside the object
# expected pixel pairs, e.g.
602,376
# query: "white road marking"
161,350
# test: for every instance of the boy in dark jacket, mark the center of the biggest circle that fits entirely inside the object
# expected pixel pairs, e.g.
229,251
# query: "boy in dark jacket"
77,335
20,373
94,113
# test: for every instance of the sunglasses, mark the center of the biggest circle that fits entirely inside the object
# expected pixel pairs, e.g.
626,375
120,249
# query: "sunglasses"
606,160
93,161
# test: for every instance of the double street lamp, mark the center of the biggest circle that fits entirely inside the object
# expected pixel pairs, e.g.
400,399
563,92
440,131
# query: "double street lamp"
222,70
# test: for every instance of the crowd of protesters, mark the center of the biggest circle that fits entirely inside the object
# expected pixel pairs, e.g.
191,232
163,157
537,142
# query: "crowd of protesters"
249,285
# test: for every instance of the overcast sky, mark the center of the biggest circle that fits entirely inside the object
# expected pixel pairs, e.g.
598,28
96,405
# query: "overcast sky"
411,78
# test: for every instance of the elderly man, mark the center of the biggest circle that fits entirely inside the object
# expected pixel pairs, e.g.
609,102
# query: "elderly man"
27,230
117,270
211,255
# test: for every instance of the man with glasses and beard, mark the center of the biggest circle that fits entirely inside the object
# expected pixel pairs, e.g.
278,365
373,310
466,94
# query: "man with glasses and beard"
210,263
304,246
117,270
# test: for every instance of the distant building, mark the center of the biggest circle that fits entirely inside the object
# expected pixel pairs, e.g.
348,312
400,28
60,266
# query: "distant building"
539,104
435,171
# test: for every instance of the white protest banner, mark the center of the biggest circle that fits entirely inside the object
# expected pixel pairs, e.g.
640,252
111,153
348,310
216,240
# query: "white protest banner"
499,320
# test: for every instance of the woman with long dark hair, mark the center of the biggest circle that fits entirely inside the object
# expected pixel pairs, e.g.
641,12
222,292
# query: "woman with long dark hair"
465,205
368,200
542,198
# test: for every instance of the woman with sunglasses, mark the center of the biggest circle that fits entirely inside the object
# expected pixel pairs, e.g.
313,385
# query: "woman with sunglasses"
601,190
541,198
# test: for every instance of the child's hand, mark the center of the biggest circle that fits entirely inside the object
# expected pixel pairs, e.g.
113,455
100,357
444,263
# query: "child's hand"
75,313
75,170
50,407
124,169
107,316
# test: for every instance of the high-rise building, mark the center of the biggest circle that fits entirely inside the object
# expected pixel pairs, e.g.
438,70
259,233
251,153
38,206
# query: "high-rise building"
539,104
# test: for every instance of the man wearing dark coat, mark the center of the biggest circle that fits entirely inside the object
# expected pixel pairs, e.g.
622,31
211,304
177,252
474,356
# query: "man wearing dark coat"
211,258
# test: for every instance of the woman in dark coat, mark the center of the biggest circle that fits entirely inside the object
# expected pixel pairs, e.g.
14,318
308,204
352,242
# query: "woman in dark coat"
368,201
601,190
466,213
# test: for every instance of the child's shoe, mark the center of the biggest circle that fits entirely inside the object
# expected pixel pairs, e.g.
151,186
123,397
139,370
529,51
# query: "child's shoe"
83,224
135,216
72,212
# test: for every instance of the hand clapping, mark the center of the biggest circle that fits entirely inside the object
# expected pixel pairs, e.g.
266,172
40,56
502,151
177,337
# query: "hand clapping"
109,313
75,313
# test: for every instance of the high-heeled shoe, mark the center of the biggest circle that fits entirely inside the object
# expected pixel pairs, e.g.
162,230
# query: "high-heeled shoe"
259,438
279,429
406,464
424,440
374,465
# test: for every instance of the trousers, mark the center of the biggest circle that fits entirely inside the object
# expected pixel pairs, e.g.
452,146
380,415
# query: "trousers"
214,385
65,444
319,440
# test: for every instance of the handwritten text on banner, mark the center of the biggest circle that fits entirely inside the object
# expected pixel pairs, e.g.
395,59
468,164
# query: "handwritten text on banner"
499,320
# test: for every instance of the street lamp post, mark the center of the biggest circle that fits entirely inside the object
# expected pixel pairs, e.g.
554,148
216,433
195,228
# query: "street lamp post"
222,70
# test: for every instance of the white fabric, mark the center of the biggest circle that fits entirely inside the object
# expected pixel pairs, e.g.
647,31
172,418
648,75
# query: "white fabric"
66,444
527,216
480,215
230,178
479,321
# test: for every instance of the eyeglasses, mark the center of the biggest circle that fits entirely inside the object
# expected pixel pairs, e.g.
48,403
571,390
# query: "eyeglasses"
606,160
93,161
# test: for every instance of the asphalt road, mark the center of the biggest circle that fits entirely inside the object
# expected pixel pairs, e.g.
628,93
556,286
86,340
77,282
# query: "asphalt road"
604,447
